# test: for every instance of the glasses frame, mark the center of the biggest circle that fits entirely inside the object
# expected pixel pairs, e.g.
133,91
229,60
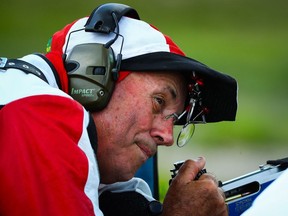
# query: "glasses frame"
195,99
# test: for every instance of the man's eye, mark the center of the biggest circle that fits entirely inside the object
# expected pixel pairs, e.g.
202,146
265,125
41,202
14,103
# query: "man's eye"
158,104
160,101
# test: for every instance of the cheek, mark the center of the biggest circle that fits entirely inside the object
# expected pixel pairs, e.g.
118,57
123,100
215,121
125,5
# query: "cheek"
138,117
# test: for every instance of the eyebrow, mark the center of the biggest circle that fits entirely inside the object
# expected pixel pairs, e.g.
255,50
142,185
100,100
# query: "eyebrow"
172,91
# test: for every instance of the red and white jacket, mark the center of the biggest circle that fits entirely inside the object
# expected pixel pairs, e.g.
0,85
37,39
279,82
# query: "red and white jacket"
47,162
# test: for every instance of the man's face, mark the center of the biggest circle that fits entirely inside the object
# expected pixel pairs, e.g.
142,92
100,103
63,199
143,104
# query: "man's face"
133,124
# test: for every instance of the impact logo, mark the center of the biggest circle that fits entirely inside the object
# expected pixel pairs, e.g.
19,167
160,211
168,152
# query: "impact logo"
83,92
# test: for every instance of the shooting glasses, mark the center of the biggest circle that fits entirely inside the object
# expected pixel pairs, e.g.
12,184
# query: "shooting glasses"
192,113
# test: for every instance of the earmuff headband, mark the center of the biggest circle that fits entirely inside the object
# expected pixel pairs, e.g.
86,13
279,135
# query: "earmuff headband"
101,19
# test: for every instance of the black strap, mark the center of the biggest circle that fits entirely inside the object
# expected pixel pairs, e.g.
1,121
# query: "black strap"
101,19
156,177
129,203
56,75
21,65
92,133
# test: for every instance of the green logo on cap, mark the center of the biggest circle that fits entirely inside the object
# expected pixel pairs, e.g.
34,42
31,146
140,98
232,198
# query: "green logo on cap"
48,47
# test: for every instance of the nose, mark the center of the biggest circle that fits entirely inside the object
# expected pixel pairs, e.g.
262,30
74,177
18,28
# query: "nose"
162,131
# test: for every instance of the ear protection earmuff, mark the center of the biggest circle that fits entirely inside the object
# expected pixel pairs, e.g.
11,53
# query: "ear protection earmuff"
92,68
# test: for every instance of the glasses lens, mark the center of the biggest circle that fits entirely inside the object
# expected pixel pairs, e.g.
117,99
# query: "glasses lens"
185,134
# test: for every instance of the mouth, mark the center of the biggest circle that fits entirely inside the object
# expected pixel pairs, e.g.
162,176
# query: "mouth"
146,150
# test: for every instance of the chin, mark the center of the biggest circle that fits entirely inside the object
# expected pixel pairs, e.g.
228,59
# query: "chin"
124,178
119,172
113,179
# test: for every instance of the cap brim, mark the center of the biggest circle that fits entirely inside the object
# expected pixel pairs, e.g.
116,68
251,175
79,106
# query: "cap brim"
219,93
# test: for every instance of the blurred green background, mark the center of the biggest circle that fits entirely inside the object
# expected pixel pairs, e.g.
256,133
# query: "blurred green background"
246,39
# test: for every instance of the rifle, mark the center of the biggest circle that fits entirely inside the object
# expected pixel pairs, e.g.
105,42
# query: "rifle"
240,192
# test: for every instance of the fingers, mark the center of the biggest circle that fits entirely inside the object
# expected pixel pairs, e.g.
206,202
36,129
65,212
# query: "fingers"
190,169
200,197
187,196
211,177
221,192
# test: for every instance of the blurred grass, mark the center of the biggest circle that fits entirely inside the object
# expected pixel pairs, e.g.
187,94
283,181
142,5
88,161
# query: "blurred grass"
246,39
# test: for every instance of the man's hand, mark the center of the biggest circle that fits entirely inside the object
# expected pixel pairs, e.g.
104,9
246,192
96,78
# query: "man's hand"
187,196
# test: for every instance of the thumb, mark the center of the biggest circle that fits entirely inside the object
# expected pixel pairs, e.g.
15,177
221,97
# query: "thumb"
189,170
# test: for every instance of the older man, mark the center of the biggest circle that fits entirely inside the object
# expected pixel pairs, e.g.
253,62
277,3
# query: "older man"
56,158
